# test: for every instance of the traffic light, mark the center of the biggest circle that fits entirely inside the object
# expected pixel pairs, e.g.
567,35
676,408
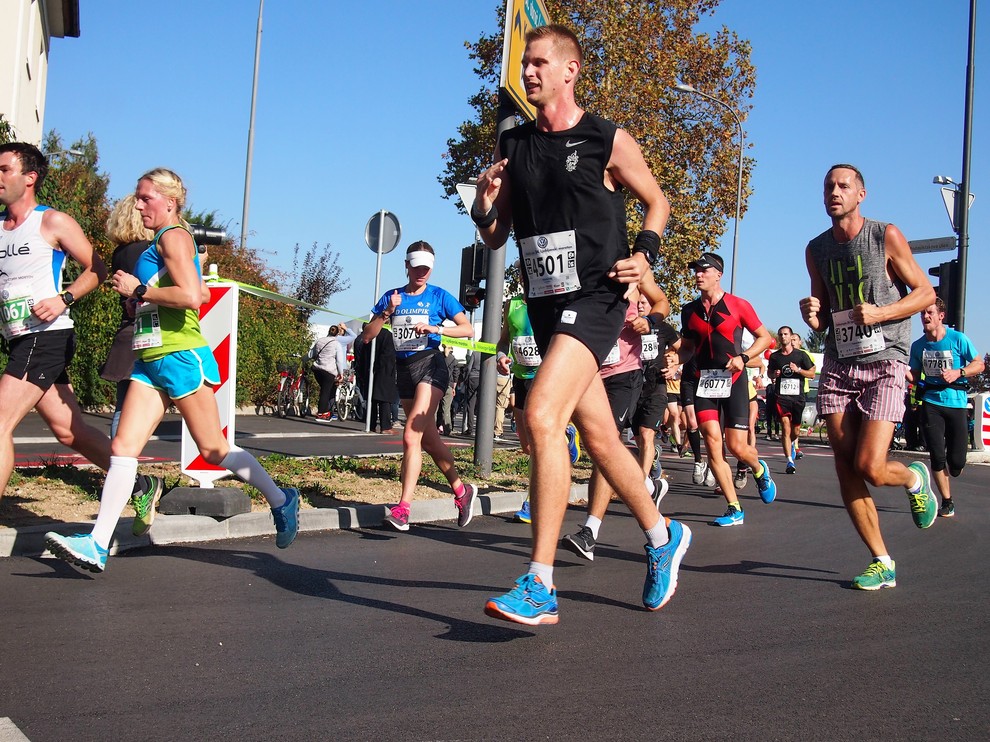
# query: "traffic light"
474,266
473,296
947,289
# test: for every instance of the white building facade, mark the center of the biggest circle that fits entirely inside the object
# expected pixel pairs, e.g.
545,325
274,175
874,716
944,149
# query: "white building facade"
26,29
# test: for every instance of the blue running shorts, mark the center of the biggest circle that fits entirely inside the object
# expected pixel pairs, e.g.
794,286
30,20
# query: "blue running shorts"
179,374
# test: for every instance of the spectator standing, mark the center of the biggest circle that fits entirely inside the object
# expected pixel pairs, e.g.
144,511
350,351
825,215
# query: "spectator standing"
384,388
329,356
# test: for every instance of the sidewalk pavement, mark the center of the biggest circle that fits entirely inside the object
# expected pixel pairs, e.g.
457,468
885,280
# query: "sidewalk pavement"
176,529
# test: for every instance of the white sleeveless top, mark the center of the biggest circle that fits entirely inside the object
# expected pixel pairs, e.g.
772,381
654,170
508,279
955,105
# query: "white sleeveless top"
30,270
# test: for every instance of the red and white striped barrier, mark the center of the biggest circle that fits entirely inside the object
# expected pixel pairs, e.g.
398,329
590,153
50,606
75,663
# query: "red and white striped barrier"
218,321
981,411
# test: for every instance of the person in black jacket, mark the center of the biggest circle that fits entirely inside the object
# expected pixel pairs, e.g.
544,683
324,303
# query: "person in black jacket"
385,389
445,418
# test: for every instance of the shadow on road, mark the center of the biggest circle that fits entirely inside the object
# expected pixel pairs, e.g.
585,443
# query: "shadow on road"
325,584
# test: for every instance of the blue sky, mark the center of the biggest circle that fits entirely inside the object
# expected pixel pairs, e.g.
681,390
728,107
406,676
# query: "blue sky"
357,100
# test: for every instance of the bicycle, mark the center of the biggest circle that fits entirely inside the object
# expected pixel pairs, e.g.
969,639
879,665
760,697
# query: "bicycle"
821,428
292,389
348,397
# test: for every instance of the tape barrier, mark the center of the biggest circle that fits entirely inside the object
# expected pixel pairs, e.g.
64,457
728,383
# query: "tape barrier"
468,344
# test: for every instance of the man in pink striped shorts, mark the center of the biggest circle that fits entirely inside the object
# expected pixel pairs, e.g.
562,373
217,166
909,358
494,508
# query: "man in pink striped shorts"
865,286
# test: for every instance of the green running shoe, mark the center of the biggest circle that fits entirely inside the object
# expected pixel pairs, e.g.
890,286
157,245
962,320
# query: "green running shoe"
876,577
147,492
924,507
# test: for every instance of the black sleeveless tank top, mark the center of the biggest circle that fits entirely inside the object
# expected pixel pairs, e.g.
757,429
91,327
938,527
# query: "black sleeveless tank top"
557,184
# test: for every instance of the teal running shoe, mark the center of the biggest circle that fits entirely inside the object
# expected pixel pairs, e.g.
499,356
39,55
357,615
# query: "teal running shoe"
876,577
765,483
924,507
80,549
529,602
522,514
573,442
662,564
287,518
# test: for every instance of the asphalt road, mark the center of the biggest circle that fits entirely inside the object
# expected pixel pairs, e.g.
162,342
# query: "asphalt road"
369,634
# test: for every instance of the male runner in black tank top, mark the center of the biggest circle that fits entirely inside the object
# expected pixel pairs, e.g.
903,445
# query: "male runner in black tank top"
558,182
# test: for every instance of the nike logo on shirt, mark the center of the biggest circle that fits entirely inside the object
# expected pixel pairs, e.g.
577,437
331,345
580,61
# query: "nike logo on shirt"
569,143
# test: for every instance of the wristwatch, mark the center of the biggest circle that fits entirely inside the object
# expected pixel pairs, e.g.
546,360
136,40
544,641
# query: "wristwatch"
68,298
745,358
140,291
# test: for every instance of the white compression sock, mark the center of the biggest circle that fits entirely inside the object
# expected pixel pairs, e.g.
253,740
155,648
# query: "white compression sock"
117,488
246,468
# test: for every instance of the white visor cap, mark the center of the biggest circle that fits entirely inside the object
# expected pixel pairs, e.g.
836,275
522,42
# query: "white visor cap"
419,258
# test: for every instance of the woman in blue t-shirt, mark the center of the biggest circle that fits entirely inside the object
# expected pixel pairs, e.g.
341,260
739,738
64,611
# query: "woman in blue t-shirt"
416,313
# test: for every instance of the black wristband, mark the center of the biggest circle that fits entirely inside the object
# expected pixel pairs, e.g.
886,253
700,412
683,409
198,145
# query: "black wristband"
484,220
745,358
648,243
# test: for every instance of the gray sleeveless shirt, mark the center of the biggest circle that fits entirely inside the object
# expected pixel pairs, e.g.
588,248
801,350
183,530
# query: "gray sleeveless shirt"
856,272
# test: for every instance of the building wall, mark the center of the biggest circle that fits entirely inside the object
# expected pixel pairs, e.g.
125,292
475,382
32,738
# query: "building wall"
26,30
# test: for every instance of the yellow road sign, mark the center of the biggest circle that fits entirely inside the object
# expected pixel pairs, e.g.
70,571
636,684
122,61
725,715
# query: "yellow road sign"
520,16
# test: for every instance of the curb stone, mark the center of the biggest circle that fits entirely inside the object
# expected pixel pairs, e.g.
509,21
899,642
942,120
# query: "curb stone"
29,541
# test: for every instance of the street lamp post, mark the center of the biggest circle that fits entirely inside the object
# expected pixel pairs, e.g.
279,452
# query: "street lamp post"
960,217
250,142
684,88
58,153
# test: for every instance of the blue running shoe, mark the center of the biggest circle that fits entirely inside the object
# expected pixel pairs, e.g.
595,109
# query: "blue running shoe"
287,518
79,549
522,514
791,469
765,483
733,516
529,602
573,442
662,564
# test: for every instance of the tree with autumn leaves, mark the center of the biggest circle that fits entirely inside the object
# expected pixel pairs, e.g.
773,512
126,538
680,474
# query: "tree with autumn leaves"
634,53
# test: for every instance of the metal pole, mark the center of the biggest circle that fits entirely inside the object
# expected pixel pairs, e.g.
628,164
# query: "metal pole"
491,328
250,146
735,227
962,195
374,343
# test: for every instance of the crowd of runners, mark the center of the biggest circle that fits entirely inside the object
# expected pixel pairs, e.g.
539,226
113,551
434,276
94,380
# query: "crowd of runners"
589,344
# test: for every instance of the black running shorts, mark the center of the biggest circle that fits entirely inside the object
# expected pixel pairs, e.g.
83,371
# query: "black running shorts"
42,358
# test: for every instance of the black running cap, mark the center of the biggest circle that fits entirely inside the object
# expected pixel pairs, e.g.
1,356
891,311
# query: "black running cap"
707,260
